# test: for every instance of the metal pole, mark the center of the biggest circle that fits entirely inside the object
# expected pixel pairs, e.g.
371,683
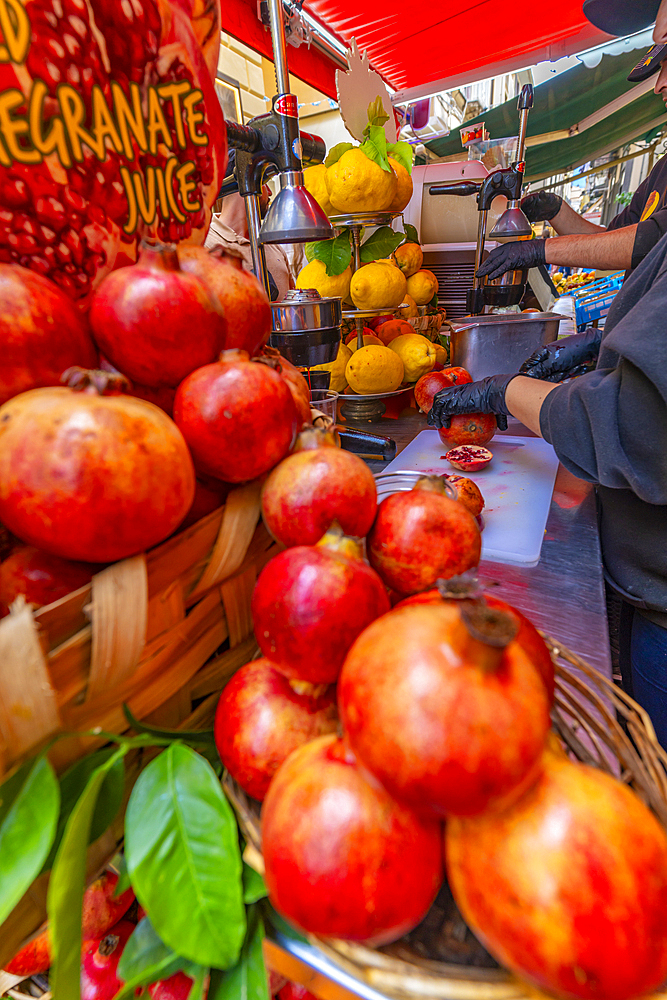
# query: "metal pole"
279,46
258,255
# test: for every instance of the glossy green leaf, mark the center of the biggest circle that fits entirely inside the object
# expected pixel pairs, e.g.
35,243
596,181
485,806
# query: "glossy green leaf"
182,852
254,886
278,922
197,988
402,153
376,114
27,830
146,959
434,301
72,784
65,893
411,234
193,737
309,251
10,788
375,146
336,255
336,152
380,244
247,980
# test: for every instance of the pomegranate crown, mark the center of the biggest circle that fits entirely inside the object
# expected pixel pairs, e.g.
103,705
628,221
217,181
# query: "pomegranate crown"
95,382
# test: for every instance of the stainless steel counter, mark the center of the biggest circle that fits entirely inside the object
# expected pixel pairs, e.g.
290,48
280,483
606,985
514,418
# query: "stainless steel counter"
563,595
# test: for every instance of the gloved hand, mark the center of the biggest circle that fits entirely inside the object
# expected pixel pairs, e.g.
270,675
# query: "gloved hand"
563,358
541,206
485,396
515,256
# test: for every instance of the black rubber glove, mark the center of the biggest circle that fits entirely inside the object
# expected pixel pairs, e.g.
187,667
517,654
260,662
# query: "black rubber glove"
564,358
517,256
485,396
541,206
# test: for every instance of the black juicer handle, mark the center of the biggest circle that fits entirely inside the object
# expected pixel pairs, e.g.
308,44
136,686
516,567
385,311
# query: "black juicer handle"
526,97
364,443
461,188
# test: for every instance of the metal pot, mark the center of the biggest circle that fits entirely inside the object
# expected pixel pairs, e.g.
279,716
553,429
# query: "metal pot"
306,327
491,345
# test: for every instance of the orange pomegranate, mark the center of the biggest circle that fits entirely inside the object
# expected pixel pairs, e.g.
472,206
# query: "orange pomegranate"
434,381
568,886
467,493
468,428
444,706
392,329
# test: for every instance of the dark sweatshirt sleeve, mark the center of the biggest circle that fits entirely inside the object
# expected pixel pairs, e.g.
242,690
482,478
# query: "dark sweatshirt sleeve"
648,234
610,426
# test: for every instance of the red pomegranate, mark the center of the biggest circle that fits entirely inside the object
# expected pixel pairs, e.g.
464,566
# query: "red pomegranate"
422,536
237,416
468,428
469,458
99,963
568,886
294,379
41,577
114,474
293,991
176,987
527,635
310,604
154,322
262,717
164,397
41,331
139,76
314,487
244,303
467,493
208,497
432,382
99,914
444,707
342,858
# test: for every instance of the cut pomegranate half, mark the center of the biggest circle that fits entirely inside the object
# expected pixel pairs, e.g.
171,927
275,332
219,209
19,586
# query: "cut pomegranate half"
469,458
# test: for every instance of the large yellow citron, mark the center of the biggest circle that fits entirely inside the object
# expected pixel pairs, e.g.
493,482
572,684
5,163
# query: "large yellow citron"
409,258
337,368
417,354
379,285
330,286
403,186
422,286
374,369
357,184
314,179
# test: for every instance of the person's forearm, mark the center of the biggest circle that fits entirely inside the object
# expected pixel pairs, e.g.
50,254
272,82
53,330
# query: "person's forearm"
607,251
524,398
570,223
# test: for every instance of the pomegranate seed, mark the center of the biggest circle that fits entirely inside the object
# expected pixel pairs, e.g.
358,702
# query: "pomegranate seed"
97,215
73,75
49,254
19,220
40,265
63,253
6,217
71,44
22,242
46,235
15,193
65,283
74,200
51,211
77,244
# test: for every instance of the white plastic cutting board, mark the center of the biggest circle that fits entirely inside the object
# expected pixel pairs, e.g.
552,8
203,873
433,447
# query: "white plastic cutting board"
517,487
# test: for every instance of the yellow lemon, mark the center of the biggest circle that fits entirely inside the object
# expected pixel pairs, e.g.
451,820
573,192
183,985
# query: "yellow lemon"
409,258
357,184
330,286
409,311
374,369
376,286
441,356
422,286
403,186
337,368
417,354
314,179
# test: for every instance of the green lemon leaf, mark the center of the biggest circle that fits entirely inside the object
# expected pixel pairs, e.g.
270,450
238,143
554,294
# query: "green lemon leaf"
72,784
309,251
411,234
254,886
336,255
247,980
434,301
181,844
65,894
381,244
402,153
197,989
193,737
146,959
336,152
28,826
375,147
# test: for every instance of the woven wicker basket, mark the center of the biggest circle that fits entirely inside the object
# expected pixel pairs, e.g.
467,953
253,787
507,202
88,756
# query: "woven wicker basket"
144,634
586,713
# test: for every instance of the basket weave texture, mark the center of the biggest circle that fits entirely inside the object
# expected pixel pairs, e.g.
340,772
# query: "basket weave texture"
586,716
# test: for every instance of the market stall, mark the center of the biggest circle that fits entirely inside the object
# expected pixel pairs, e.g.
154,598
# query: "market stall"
277,714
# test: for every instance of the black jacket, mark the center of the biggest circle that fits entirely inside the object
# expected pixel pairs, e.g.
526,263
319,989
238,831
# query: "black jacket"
648,209
610,427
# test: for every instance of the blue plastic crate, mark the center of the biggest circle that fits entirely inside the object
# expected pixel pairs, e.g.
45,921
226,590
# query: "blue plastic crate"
594,301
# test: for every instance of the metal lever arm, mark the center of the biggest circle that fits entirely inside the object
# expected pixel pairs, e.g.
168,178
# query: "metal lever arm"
460,188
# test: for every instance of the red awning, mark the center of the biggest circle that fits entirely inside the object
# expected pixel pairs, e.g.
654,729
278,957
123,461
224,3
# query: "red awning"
412,44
